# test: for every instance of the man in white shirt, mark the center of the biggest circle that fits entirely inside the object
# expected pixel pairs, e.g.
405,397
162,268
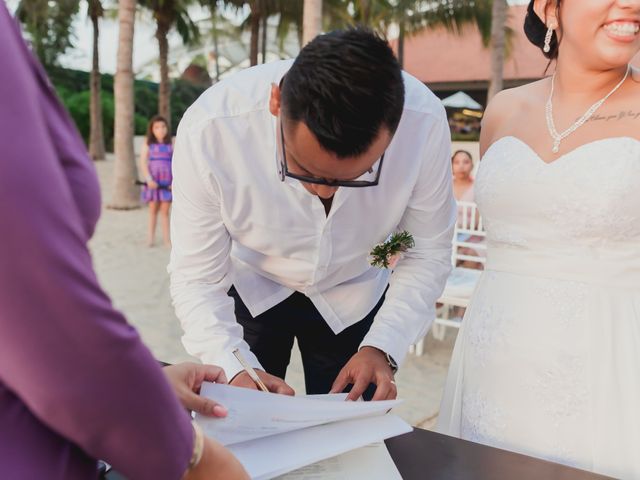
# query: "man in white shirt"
286,176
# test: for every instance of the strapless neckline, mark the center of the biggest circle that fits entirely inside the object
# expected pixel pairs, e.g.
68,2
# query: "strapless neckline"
570,153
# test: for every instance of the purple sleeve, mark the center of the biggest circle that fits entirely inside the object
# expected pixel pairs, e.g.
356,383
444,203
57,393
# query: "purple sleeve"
64,350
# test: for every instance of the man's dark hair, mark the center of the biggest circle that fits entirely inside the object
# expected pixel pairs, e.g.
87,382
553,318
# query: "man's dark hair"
345,85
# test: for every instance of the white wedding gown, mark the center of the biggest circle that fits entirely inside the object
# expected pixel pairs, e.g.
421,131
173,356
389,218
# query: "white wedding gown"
547,362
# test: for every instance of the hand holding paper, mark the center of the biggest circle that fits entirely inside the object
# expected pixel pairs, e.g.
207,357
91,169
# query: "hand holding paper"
273,383
367,366
187,378
274,434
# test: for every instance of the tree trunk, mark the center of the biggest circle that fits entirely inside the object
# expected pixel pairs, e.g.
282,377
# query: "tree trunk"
255,32
498,24
365,9
401,36
215,50
311,20
264,38
125,193
164,89
96,133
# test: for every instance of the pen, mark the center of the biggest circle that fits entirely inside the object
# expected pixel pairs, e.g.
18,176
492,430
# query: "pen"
249,369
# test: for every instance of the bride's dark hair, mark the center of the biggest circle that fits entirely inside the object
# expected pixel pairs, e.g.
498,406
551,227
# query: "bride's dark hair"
535,30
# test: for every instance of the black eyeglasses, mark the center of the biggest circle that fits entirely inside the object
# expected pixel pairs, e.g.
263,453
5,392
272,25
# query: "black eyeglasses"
284,172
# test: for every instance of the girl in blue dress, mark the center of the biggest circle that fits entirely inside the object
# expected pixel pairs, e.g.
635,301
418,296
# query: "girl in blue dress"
155,166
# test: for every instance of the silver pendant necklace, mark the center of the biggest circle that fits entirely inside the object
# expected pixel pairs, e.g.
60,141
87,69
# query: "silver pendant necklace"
558,137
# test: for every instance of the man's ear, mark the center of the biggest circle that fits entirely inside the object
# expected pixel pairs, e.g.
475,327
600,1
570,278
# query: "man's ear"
274,100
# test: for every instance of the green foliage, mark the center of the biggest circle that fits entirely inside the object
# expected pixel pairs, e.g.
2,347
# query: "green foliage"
145,97
170,13
398,243
72,86
49,26
465,137
183,94
140,123
77,104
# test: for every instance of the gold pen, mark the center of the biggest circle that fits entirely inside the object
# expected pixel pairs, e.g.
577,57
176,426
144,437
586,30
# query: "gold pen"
249,369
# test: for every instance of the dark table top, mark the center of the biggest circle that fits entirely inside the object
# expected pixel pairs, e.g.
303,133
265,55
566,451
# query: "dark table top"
426,455
422,455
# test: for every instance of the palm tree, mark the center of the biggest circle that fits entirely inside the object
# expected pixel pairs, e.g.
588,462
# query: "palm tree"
375,14
498,46
49,26
489,16
96,133
125,193
256,21
212,6
252,22
257,7
168,13
312,20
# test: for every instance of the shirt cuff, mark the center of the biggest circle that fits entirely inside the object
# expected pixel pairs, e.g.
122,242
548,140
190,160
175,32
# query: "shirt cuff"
390,342
230,363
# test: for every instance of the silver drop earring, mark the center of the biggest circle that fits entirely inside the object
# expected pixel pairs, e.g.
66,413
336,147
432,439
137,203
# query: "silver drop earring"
547,40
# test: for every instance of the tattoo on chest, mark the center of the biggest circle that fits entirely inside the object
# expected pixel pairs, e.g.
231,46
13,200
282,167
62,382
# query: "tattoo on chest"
621,115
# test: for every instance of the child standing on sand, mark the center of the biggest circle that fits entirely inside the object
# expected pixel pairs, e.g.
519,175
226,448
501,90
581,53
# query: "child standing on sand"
155,166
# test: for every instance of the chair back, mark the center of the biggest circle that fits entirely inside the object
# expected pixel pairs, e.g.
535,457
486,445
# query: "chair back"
469,238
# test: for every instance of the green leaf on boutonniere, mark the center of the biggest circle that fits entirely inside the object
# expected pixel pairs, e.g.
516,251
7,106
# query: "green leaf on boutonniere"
396,244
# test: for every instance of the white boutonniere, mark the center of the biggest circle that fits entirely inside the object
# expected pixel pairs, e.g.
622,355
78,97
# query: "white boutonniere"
389,253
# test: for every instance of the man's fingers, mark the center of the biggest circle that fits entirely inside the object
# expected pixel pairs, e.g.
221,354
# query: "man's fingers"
359,387
243,380
277,385
341,381
393,391
273,383
214,374
385,390
284,389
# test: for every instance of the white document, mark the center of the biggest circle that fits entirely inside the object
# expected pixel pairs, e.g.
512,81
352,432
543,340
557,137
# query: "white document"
337,397
266,458
372,462
274,434
255,414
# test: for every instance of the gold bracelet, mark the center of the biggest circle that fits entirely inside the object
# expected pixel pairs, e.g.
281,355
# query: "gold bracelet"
198,445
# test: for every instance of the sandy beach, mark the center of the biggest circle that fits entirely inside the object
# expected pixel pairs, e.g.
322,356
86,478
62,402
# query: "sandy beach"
136,279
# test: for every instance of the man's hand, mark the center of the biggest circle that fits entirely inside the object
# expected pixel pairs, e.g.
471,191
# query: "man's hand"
367,366
186,379
273,383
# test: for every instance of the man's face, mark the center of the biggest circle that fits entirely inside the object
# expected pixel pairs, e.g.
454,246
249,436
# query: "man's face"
305,156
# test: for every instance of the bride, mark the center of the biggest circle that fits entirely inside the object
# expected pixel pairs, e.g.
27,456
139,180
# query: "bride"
547,362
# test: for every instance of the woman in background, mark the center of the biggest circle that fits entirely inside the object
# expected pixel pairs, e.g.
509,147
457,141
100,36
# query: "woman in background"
462,166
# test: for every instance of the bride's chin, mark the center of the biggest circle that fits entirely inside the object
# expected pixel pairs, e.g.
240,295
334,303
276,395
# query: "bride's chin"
619,55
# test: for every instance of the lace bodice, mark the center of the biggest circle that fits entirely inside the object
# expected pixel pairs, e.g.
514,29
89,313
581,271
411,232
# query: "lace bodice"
587,198
546,362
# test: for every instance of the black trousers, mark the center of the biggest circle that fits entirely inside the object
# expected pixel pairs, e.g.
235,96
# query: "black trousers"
270,336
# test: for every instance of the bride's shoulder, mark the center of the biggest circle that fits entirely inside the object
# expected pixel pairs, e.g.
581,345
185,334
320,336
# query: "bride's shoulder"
511,104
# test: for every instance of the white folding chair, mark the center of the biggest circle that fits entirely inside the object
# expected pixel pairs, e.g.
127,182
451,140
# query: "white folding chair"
468,247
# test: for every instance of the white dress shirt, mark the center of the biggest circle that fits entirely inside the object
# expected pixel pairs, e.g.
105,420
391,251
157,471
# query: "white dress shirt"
234,222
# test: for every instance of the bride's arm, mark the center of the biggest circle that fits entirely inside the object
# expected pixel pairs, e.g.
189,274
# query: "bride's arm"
494,116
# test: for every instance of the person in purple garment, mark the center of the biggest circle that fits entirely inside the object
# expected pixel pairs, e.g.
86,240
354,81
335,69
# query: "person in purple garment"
76,382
